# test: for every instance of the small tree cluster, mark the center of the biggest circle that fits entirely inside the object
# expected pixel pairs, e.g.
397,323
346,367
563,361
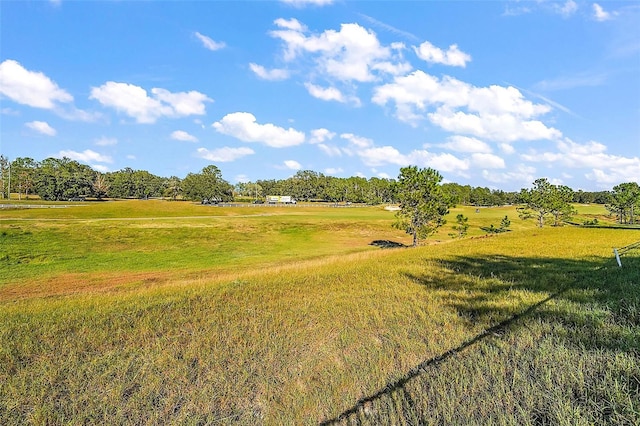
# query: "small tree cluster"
624,202
546,199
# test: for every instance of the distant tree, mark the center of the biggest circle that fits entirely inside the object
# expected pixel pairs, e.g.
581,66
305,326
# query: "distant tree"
23,171
505,223
208,184
546,199
461,226
100,186
423,204
5,175
624,201
173,188
560,205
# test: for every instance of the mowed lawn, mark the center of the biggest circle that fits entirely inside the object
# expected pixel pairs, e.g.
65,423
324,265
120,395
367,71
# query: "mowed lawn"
151,312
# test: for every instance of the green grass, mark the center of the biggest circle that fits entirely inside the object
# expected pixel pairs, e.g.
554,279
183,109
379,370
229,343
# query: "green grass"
288,316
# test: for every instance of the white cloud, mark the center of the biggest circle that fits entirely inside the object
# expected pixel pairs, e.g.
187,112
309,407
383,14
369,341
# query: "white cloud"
303,3
272,75
243,126
520,173
351,54
328,94
320,135
494,112
136,103
466,144
357,141
380,156
333,170
86,156
30,87
507,149
181,135
604,168
242,178
567,9
434,55
292,164
105,141
487,161
224,154
131,157
208,43
330,150
599,14
41,127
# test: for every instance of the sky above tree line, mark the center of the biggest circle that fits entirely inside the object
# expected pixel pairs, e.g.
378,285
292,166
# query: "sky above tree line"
492,94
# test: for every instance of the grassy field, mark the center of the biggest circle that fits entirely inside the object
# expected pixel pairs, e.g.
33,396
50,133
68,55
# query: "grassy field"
151,312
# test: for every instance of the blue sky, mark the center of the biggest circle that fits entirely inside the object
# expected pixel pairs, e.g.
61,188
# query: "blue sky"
490,94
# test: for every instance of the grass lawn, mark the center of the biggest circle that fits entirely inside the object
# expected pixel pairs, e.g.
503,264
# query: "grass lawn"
151,312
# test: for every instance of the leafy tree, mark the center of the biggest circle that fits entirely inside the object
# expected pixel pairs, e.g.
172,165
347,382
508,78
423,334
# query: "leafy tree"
173,188
63,178
461,226
208,184
423,204
560,204
624,201
23,171
546,199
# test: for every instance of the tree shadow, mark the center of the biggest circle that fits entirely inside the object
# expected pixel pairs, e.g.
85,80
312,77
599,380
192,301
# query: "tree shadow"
590,305
386,244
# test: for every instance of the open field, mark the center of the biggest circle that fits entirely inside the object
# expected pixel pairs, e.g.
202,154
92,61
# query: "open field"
151,312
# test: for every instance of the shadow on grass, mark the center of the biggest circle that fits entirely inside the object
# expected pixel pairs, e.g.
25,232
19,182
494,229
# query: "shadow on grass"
386,244
596,309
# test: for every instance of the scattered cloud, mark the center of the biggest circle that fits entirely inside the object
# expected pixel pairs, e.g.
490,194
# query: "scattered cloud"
292,165
466,144
208,43
320,135
330,94
86,156
600,15
275,74
487,161
494,113
434,55
333,171
243,126
105,141
224,154
41,127
181,135
605,168
135,102
357,141
519,173
330,150
30,88
352,54
567,9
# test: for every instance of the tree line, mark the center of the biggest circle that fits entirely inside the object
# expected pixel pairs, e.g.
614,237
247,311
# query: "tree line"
65,179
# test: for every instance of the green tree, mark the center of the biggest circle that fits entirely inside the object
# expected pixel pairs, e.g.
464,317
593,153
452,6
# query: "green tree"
505,223
208,184
560,205
624,201
546,199
173,188
461,227
423,203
